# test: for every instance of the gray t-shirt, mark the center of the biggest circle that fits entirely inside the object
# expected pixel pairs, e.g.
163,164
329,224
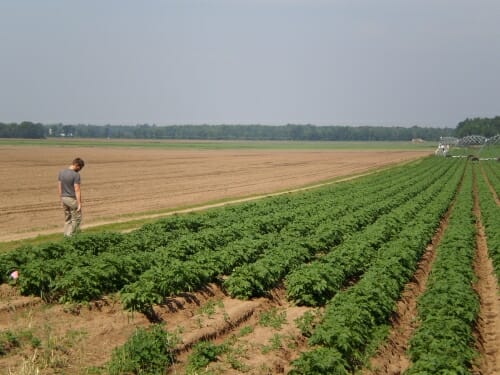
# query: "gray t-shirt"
68,178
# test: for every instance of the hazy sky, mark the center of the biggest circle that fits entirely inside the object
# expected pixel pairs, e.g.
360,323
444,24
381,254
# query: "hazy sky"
337,62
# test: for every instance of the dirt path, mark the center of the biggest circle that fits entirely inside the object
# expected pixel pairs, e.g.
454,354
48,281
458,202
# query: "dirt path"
255,348
488,327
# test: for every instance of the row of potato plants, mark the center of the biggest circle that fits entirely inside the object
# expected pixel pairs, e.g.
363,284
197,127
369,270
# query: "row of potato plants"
147,238
253,279
490,213
357,318
79,276
249,279
88,246
449,307
166,279
315,283
73,255
287,250
150,237
88,266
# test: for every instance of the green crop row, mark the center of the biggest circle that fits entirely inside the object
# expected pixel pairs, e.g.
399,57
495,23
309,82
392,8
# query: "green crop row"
284,250
315,283
254,279
357,316
448,309
490,212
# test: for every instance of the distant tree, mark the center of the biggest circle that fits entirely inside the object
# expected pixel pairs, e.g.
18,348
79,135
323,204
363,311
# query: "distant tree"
251,132
24,130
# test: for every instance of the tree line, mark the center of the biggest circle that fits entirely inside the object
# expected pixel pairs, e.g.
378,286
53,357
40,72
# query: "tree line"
487,127
22,130
479,126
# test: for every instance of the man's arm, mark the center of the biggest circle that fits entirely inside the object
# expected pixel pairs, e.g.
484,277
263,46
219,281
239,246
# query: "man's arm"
78,196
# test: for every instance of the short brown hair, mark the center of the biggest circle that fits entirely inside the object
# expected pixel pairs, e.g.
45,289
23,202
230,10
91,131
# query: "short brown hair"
79,162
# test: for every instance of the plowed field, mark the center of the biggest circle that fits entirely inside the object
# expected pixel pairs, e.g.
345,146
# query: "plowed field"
137,181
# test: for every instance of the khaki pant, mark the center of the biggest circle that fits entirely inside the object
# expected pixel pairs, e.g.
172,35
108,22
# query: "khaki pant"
72,217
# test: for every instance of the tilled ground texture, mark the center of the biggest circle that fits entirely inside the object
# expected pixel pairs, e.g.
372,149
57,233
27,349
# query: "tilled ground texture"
129,181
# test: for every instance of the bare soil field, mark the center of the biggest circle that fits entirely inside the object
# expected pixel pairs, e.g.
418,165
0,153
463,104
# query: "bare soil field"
137,181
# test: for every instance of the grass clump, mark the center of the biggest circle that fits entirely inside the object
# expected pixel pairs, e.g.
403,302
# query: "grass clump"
149,351
203,354
272,318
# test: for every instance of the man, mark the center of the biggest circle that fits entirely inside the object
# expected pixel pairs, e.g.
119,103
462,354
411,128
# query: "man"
71,197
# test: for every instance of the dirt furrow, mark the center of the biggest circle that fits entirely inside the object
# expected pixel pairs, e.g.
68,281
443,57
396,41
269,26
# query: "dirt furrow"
75,337
253,347
391,358
488,325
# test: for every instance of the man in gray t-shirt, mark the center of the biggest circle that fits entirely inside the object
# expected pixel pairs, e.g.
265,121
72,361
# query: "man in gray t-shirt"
71,197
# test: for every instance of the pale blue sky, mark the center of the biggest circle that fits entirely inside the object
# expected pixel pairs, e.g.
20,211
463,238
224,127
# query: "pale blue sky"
337,62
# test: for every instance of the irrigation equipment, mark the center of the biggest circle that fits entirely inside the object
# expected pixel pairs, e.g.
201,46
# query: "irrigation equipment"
476,147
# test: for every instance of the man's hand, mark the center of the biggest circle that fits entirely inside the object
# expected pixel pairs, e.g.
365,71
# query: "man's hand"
78,197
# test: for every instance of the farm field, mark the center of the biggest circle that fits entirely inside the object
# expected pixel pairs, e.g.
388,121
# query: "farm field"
123,181
389,272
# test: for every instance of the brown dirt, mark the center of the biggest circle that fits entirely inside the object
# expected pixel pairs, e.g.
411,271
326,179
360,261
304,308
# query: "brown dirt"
71,338
137,181
74,338
252,350
486,286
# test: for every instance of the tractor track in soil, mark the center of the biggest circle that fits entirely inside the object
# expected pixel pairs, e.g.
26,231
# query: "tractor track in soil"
488,326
